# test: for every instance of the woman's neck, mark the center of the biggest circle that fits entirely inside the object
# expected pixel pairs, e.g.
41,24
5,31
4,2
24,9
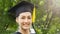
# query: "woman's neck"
24,31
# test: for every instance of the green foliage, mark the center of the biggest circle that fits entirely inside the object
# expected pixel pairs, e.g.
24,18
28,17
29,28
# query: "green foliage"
47,21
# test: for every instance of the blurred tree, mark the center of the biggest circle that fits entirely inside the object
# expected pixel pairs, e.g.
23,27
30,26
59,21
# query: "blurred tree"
47,20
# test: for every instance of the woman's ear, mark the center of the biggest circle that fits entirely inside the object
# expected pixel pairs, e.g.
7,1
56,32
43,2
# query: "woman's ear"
17,19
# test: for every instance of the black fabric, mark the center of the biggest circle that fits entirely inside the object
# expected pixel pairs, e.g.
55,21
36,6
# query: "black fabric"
24,5
17,33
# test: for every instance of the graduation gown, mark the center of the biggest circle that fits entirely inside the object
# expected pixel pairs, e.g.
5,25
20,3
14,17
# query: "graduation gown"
31,32
21,33
17,33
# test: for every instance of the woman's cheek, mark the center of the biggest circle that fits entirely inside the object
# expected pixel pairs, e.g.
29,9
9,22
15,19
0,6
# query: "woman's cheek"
20,22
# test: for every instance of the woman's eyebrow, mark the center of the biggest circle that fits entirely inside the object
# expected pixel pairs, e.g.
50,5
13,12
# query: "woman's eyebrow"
29,16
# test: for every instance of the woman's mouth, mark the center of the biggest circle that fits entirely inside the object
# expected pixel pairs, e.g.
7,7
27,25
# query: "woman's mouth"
26,25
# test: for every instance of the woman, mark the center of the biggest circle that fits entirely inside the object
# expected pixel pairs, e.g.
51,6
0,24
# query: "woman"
22,13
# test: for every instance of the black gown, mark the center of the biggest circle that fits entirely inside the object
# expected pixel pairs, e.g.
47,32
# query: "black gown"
31,32
17,33
20,33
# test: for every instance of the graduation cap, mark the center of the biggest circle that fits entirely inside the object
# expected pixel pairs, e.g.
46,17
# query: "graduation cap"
21,7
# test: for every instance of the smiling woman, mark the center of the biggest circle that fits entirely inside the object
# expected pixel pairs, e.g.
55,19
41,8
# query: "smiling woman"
22,12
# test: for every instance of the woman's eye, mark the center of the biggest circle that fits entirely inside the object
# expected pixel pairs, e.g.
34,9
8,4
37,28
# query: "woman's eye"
29,17
22,17
26,17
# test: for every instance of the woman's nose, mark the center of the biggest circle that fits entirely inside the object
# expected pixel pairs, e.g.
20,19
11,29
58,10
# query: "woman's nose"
26,20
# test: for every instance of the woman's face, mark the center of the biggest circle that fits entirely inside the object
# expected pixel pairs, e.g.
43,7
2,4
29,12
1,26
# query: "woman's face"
24,20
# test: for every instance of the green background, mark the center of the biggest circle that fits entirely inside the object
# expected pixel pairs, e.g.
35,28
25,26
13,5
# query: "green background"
47,16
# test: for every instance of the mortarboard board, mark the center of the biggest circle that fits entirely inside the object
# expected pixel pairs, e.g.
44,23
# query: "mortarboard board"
21,7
